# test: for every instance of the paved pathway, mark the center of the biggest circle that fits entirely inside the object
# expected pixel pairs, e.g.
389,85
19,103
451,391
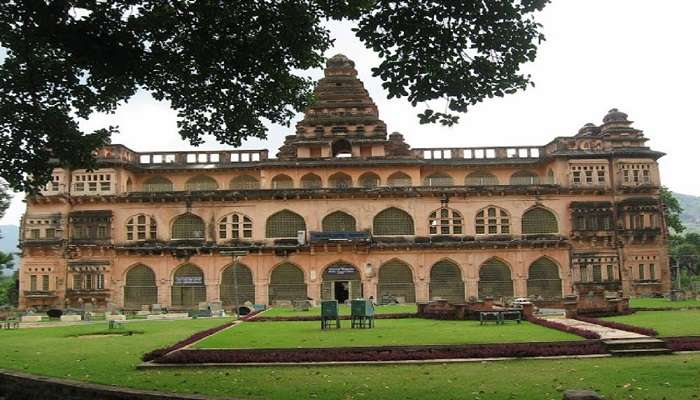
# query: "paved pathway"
604,332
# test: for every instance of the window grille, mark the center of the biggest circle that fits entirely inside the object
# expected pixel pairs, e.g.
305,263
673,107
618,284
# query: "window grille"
583,273
492,221
45,283
188,288
543,279
652,272
158,184
282,182
340,181
32,283
199,183
339,221
244,182
395,282
393,221
141,227
446,282
641,272
188,226
92,227
438,179
369,180
287,284
495,280
597,274
399,179
284,224
480,179
235,226
611,274
524,178
311,181
539,221
140,287
243,280
446,221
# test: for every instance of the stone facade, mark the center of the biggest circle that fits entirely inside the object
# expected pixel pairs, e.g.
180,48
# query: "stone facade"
346,210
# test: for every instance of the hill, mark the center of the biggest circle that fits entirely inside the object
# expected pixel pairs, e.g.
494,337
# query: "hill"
691,211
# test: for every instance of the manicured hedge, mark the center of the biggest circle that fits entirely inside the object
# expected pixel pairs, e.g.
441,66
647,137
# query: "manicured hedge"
618,325
548,323
383,353
318,317
157,353
683,343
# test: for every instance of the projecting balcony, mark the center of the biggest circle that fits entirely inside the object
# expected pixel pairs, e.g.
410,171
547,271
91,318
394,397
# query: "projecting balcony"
40,294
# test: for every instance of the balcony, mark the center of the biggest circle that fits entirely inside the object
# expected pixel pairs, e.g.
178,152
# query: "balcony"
481,153
40,294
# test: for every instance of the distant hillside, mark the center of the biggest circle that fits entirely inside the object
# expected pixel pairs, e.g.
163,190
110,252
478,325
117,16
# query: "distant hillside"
9,240
691,211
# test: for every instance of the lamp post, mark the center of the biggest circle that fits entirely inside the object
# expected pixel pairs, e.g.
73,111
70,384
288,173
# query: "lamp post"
236,256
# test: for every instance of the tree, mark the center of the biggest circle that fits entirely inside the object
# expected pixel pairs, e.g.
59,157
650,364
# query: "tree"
6,261
672,210
226,67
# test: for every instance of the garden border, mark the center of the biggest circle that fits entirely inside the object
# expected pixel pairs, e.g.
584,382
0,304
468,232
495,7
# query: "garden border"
618,325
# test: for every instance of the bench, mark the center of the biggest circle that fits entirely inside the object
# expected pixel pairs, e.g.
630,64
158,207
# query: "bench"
500,316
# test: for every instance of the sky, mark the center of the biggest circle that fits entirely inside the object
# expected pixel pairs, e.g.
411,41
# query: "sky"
640,56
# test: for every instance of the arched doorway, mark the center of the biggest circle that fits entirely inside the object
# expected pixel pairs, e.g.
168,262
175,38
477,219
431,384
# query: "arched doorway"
287,284
341,148
342,282
495,280
237,285
140,288
396,283
188,288
446,282
543,279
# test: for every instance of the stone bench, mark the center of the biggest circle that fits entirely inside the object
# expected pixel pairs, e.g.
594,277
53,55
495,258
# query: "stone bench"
71,318
31,318
168,316
115,317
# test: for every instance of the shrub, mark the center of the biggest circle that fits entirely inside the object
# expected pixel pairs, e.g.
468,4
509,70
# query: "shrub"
548,323
686,343
157,353
618,325
318,317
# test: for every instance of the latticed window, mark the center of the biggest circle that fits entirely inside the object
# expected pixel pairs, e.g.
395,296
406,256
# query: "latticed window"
141,227
287,284
583,273
543,279
393,221
188,226
199,183
244,182
235,226
369,180
188,288
339,221
90,225
399,179
340,181
438,179
495,280
592,222
310,181
492,221
611,274
597,273
237,285
524,178
140,287
157,184
284,224
395,283
446,282
446,221
282,182
538,220
480,179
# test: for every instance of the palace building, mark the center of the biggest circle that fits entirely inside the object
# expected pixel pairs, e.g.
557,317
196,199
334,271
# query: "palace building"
345,210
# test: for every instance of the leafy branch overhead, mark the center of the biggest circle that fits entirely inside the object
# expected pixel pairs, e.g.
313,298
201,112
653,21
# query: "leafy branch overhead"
228,66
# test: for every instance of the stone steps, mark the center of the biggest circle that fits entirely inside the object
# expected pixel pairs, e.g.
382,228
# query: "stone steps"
636,347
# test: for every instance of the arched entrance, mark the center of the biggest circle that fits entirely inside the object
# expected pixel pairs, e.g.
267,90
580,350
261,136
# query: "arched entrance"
446,282
287,284
495,280
188,288
543,279
237,285
140,288
396,283
341,281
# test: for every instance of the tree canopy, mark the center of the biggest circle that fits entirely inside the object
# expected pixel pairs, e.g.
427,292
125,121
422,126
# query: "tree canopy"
672,210
226,67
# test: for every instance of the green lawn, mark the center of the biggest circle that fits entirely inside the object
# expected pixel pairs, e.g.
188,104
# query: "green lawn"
387,332
344,310
667,323
111,360
658,303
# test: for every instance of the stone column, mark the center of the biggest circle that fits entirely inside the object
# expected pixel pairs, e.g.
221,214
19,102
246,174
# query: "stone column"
369,288
313,291
472,288
422,290
261,293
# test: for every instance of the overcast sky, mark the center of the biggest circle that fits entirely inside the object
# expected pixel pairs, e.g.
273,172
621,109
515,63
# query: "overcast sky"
640,56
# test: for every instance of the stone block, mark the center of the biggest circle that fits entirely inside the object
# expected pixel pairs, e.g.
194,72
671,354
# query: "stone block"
31,318
71,318
115,317
143,312
582,395
168,316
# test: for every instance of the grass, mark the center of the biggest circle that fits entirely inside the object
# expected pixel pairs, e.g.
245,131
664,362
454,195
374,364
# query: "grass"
344,310
111,360
391,332
662,303
667,323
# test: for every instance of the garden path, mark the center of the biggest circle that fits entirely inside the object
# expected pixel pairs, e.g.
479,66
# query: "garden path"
604,332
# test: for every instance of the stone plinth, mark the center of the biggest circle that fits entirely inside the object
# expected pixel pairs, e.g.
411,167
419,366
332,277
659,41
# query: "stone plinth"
169,316
71,318
31,318
115,317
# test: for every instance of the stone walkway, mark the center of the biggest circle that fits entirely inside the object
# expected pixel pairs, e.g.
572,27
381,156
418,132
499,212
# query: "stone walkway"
604,332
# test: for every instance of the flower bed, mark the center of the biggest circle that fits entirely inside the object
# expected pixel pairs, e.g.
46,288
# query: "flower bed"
382,353
683,343
564,328
318,317
157,353
618,325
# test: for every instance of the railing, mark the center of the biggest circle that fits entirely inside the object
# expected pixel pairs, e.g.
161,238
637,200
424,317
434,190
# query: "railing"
478,153
202,157
39,293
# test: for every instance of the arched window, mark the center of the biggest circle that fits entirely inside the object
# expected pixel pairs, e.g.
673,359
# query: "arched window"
341,281
199,183
524,178
480,179
310,181
369,180
446,221
157,184
244,182
341,148
287,284
235,226
284,224
543,279
438,179
141,227
188,288
339,221
140,288
539,221
340,181
492,221
282,182
393,221
399,179
495,280
395,283
446,282
188,226
237,285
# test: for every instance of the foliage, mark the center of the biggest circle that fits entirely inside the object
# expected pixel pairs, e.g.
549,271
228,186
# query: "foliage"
152,355
226,67
7,261
672,210
5,198
9,294
685,251
688,343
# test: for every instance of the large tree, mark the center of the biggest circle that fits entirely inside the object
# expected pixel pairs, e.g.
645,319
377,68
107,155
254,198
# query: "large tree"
226,67
672,211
